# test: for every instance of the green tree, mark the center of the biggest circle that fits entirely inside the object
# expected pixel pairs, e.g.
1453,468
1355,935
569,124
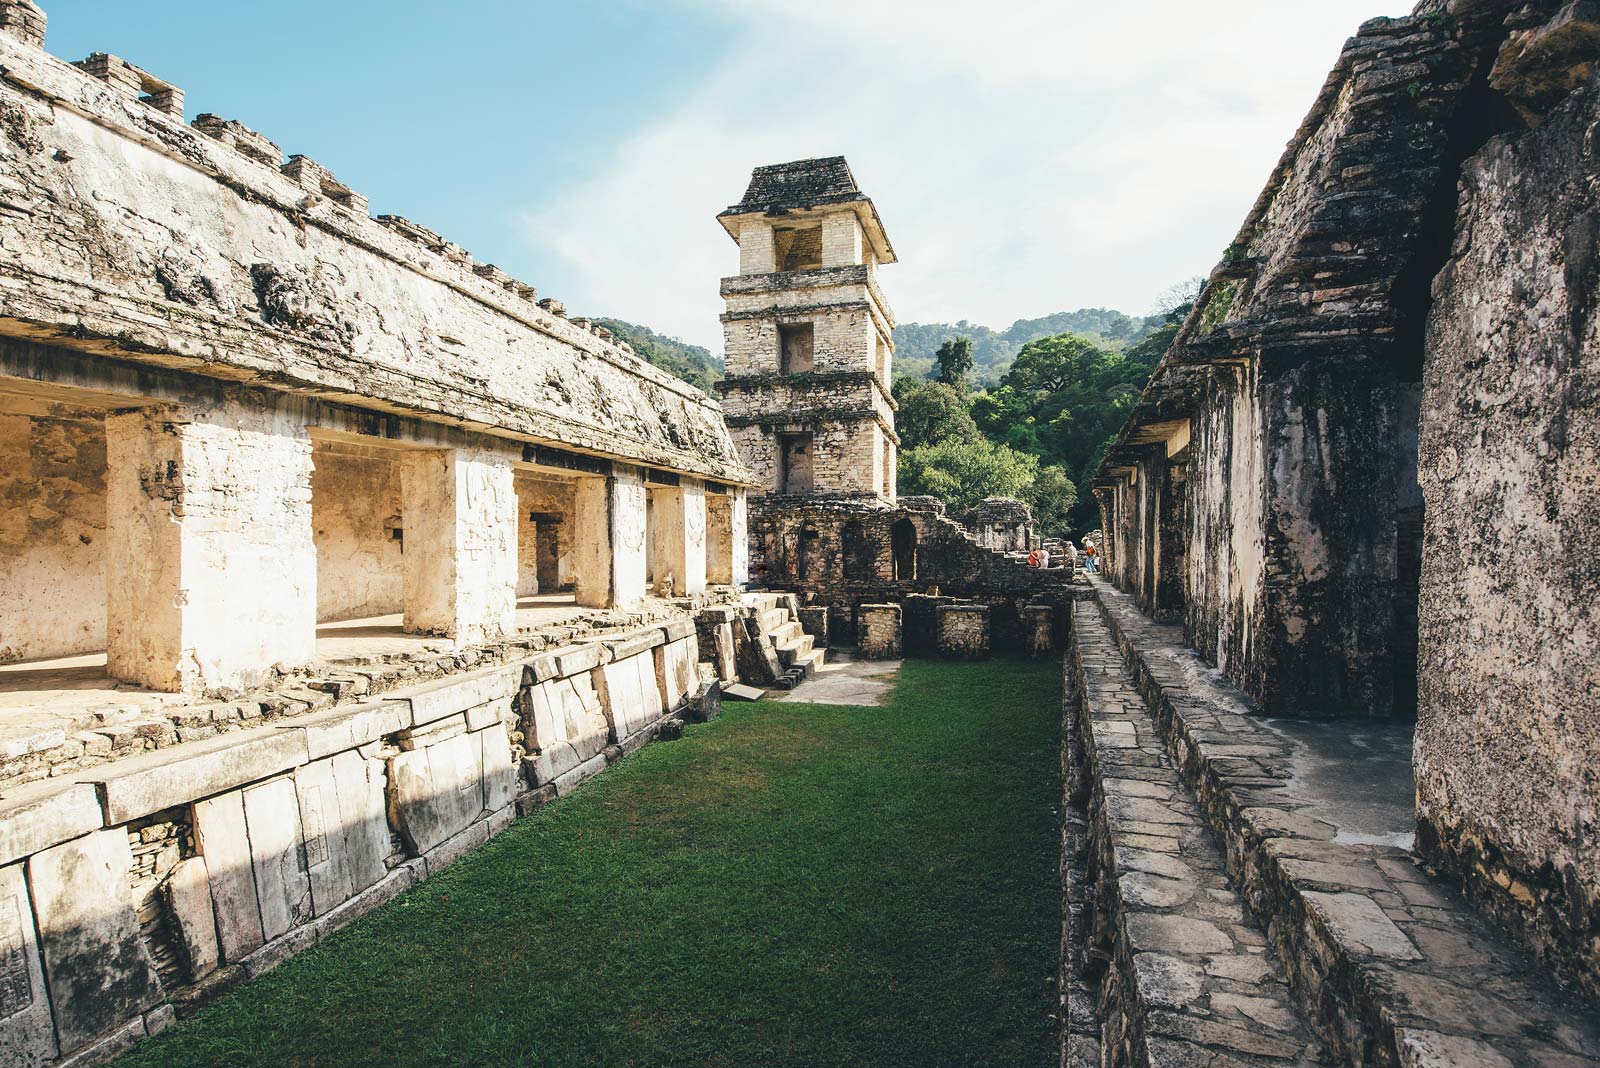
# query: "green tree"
962,473
955,362
930,413
1052,497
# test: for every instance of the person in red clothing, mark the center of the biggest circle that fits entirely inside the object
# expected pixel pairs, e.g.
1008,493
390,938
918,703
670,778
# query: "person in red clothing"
1091,558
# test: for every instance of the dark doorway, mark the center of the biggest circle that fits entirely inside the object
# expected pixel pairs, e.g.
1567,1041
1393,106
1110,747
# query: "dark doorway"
794,463
856,551
903,544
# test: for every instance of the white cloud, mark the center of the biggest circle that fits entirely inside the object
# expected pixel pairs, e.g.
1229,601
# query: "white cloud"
1027,157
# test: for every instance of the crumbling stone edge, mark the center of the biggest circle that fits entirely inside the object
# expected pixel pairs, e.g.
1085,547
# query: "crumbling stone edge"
1336,914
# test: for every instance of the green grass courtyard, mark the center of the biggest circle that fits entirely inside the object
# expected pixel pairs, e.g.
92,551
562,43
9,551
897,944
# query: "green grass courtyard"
792,884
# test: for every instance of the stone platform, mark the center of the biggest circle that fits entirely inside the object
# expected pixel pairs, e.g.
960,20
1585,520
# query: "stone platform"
1388,964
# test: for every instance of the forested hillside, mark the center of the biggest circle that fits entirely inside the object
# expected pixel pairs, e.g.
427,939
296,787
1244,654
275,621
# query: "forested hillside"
692,363
993,351
1038,432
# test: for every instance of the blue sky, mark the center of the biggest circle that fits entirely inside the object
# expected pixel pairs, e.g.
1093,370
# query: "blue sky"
1027,157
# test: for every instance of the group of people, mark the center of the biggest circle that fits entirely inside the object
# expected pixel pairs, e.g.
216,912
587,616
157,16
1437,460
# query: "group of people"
1091,557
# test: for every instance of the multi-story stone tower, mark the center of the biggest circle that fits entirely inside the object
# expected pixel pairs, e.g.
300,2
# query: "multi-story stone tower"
807,335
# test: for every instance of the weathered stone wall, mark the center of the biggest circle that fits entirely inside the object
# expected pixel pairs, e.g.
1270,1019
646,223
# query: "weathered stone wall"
1508,740
176,874
355,511
878,634
209,543
261,277
1292,374
842,554
553,501
963,631
52,536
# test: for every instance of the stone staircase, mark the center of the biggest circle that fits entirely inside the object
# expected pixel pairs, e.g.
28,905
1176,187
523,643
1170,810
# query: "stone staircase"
777,618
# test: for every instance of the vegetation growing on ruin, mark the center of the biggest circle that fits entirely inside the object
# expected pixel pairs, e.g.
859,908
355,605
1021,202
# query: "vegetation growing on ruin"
693,363
1038,433
916,344
791,884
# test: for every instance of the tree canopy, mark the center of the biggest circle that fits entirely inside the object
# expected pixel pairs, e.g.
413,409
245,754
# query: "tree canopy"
955,362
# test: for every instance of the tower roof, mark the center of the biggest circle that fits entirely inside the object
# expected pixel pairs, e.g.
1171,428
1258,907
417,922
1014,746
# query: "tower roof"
804,185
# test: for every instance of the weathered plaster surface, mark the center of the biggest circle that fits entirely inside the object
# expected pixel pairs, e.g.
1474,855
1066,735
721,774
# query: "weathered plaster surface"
187,247
52,537
1508,740
355,510
208,522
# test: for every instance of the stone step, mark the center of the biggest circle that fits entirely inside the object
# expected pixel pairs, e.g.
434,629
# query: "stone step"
761,601
1394,966
794,649
810,662
773,618
787,633
1176,971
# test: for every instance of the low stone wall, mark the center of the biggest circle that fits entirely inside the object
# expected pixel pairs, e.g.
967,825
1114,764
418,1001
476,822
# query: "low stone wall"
878,632
1388,965
963,631
1177,974
162,878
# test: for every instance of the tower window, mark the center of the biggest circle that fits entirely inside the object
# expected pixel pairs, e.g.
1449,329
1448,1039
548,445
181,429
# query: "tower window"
796,348
797,248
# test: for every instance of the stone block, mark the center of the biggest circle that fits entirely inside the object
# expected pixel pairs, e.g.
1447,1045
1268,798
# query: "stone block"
327,733
678,629
436,792
44,814
188,894
455,847
963,631
878,632
283,889
98,972
362,817
499,773
814,621
564,726
724,658
676,673
142,785
1039,631
488,714
1358,925
634,644
436,700
577,659
224,841
705,704
629,694
27,1035
322,830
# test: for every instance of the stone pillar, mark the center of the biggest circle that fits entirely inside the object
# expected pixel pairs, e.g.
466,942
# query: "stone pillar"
719,539
678,536
1039,630
460,523
963,631
739,525
609,540
210,561
878,632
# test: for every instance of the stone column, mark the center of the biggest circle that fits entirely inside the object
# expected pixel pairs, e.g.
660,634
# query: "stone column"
678,536
609,539
210,562
739,523
460,522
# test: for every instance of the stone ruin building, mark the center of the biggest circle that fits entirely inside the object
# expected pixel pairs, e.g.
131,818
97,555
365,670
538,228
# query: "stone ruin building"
1364,486
809,344
327,551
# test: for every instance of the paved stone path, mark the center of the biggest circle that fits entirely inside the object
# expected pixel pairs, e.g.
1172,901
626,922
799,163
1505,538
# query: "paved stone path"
844,680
